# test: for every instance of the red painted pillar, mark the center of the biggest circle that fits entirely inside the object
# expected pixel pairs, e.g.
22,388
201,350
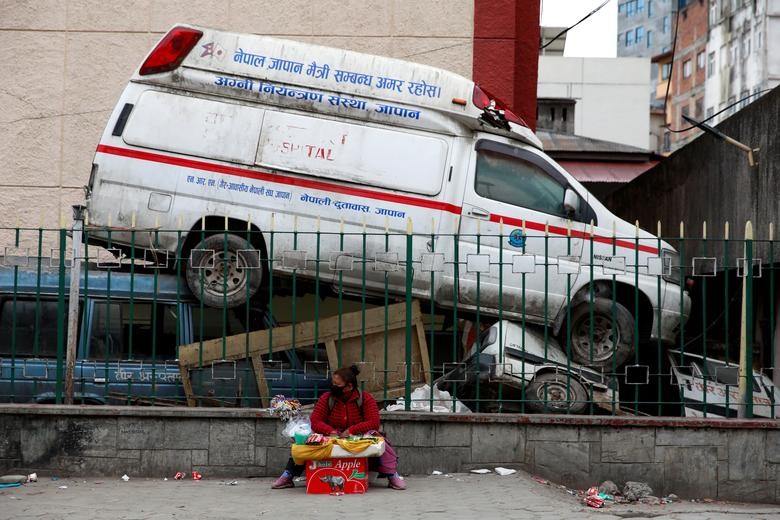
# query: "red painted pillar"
506,52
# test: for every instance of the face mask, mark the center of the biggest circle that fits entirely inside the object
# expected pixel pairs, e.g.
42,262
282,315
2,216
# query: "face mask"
337,391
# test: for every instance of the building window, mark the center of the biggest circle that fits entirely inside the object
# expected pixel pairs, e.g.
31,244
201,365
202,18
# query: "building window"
649,8
649,39
711,64
640,6
630,8
665,28
687,68
640,33
700,60
629,38
713,12
666,70
621,8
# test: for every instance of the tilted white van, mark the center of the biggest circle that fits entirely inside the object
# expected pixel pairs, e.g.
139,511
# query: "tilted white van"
220,130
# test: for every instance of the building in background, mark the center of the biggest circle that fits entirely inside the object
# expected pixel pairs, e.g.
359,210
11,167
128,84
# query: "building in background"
599,98
645,30
742,53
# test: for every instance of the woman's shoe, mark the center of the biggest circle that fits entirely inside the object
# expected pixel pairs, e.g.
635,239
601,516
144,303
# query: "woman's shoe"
396,482
285,481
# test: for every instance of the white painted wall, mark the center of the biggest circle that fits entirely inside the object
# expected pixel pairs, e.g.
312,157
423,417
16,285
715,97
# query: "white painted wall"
610,94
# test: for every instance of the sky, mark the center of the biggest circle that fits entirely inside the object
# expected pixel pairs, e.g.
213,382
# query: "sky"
595,37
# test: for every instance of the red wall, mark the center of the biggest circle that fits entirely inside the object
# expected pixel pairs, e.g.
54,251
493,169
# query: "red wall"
506,52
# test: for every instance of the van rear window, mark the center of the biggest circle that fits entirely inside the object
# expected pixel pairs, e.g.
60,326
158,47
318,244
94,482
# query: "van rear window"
194,126
28,328
383,157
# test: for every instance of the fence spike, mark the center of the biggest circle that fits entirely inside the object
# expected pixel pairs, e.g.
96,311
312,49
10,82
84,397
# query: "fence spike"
409,225
248,221
132,220
636,228
295,223
704,230
86,218
658,227
341,225
203,223
433,225
387,224
682,230
318,223
226,221
479,226
501,226
156,221
591,228
109,220
546,228
273,218
726,231
568,228
523,226
748,230
364,224
771,232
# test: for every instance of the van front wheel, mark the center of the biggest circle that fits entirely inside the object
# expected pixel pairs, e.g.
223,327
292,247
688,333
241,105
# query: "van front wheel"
224,270
605,340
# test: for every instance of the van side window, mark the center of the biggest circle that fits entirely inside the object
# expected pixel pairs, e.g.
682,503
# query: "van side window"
514,181
21,332
110,333
211,322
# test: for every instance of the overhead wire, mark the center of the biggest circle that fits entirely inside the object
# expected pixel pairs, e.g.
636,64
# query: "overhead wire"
594,11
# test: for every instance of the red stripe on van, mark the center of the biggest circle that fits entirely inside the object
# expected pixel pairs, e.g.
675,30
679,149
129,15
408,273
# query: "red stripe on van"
278,178
356,192
575,233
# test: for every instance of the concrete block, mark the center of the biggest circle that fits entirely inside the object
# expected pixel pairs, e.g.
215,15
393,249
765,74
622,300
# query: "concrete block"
500,443
723,452
422,461
10,439
128,454
261,456
276,460
200,457
138,433
365,18
96,15
87,437
747,490
160,463
410,433
773,446
245,16
267,432
434,18
588,434
620,473
33,84
553,433
232,454
453,434
164,15
564,462
231,442
683,437
747,455
628,445
106,467
33,15
186,434
691,471
231,472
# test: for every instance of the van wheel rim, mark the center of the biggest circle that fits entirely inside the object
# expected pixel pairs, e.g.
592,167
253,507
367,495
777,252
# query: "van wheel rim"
218,280
604,340
554,394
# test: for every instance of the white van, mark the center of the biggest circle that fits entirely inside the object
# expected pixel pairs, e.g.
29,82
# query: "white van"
218,130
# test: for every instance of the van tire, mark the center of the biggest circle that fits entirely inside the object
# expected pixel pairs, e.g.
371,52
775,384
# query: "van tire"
552,386
612,339
244,277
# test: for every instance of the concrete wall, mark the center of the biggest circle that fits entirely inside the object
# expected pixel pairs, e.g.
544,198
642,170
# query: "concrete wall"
65,63
610,95
732,460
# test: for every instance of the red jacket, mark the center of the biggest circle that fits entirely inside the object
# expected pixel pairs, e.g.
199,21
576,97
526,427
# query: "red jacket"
345,415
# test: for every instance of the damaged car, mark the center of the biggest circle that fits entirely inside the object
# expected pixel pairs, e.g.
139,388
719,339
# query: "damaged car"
513,369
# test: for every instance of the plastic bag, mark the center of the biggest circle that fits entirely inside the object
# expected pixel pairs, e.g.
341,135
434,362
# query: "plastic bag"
421,401
297,425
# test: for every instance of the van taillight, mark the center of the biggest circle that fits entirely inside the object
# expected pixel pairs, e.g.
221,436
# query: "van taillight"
171,50
480,98
483,99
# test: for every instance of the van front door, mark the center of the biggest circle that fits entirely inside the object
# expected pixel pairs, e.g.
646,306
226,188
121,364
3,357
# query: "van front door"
512,196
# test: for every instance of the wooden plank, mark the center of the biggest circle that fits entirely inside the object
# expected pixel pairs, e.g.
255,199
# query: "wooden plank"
423,346
262,384
187,384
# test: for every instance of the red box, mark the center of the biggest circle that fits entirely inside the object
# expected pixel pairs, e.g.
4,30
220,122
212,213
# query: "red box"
337,476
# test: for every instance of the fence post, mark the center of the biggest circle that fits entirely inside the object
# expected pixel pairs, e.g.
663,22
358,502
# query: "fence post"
60,316
745,409
409,279
73,302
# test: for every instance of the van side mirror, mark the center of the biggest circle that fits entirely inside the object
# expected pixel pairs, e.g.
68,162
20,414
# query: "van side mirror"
571,201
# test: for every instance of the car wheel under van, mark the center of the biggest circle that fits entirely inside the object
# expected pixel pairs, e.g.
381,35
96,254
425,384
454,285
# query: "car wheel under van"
610,344
547,393
206,274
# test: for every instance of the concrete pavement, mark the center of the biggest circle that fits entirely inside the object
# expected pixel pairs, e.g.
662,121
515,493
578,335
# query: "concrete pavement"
467,495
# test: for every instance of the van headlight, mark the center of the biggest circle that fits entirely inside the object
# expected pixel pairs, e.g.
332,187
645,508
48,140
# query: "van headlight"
672,267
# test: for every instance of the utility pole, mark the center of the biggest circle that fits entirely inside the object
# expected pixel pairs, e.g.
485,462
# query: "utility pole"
73,302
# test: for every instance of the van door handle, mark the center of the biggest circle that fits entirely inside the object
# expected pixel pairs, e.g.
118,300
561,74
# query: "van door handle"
479,213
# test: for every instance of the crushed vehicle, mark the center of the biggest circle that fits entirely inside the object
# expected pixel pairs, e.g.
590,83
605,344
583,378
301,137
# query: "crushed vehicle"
509,369
130,327
710,387
222,145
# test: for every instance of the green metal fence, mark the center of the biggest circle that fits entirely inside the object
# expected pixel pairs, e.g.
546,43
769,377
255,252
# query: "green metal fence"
519,321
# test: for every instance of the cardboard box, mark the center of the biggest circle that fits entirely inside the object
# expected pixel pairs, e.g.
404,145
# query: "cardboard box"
348,475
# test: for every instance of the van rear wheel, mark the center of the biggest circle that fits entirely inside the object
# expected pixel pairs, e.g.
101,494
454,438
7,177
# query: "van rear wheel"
606,341
224,270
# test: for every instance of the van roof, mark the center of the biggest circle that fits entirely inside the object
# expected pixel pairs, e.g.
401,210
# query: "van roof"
313,77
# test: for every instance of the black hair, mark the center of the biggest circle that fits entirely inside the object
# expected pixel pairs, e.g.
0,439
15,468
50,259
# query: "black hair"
348,375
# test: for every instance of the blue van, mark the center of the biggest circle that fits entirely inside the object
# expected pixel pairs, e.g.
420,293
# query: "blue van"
130,327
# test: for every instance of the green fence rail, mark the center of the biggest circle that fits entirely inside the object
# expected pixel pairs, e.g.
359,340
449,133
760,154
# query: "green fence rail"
506,322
